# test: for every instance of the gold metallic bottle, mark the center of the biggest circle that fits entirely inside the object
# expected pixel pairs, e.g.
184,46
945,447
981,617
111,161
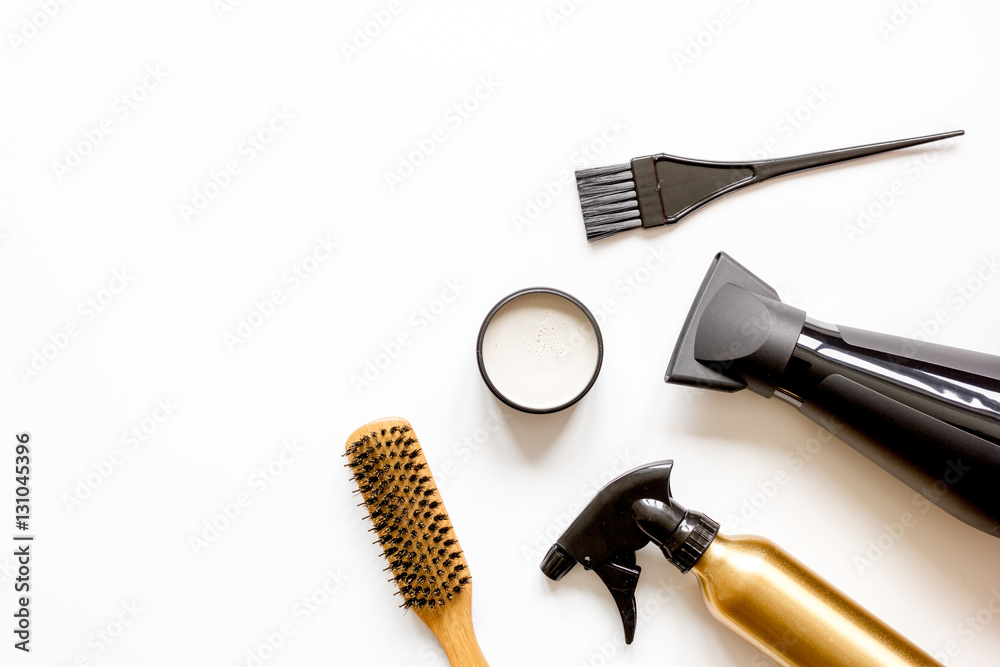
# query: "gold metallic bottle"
790,613
750,585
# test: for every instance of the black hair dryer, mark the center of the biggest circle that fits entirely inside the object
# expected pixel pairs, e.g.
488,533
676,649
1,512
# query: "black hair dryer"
928,414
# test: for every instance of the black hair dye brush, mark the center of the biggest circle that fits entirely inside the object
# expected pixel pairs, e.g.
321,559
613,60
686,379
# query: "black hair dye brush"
661,189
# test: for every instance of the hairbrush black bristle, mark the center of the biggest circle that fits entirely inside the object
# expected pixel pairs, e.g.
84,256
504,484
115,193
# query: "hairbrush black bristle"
413,528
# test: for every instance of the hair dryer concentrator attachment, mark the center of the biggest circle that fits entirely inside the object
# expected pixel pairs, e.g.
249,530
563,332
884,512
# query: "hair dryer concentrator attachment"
928,414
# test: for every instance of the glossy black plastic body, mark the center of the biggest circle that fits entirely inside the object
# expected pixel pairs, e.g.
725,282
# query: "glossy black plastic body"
928,414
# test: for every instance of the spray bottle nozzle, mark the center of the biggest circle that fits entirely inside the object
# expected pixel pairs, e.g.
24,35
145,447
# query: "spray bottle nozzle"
630,512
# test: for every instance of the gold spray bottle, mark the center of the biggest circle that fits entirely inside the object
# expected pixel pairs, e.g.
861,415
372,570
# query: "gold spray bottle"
749,583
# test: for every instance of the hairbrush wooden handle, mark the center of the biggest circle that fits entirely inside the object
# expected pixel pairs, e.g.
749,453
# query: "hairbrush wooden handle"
416,535
452,624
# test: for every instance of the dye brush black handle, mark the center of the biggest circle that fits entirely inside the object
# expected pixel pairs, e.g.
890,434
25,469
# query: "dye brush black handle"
765,169
926,413
661,189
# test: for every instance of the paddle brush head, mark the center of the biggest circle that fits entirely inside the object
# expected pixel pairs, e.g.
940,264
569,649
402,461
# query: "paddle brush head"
407,514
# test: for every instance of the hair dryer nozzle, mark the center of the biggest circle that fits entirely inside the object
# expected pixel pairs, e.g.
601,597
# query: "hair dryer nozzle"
928,414
737,334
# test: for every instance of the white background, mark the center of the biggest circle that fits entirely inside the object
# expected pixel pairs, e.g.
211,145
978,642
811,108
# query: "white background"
843,72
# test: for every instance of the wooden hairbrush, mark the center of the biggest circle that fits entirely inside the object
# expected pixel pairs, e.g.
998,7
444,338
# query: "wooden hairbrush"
416,534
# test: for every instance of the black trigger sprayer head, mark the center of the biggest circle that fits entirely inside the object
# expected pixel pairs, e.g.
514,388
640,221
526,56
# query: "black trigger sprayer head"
627,514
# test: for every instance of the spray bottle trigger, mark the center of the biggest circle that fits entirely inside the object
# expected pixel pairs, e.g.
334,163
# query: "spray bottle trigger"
621,575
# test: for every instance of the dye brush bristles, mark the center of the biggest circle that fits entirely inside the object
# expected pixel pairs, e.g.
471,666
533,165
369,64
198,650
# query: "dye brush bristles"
416,535
661,189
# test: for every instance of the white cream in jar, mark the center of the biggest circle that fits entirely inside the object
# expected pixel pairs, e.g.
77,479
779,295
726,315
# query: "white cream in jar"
540,350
